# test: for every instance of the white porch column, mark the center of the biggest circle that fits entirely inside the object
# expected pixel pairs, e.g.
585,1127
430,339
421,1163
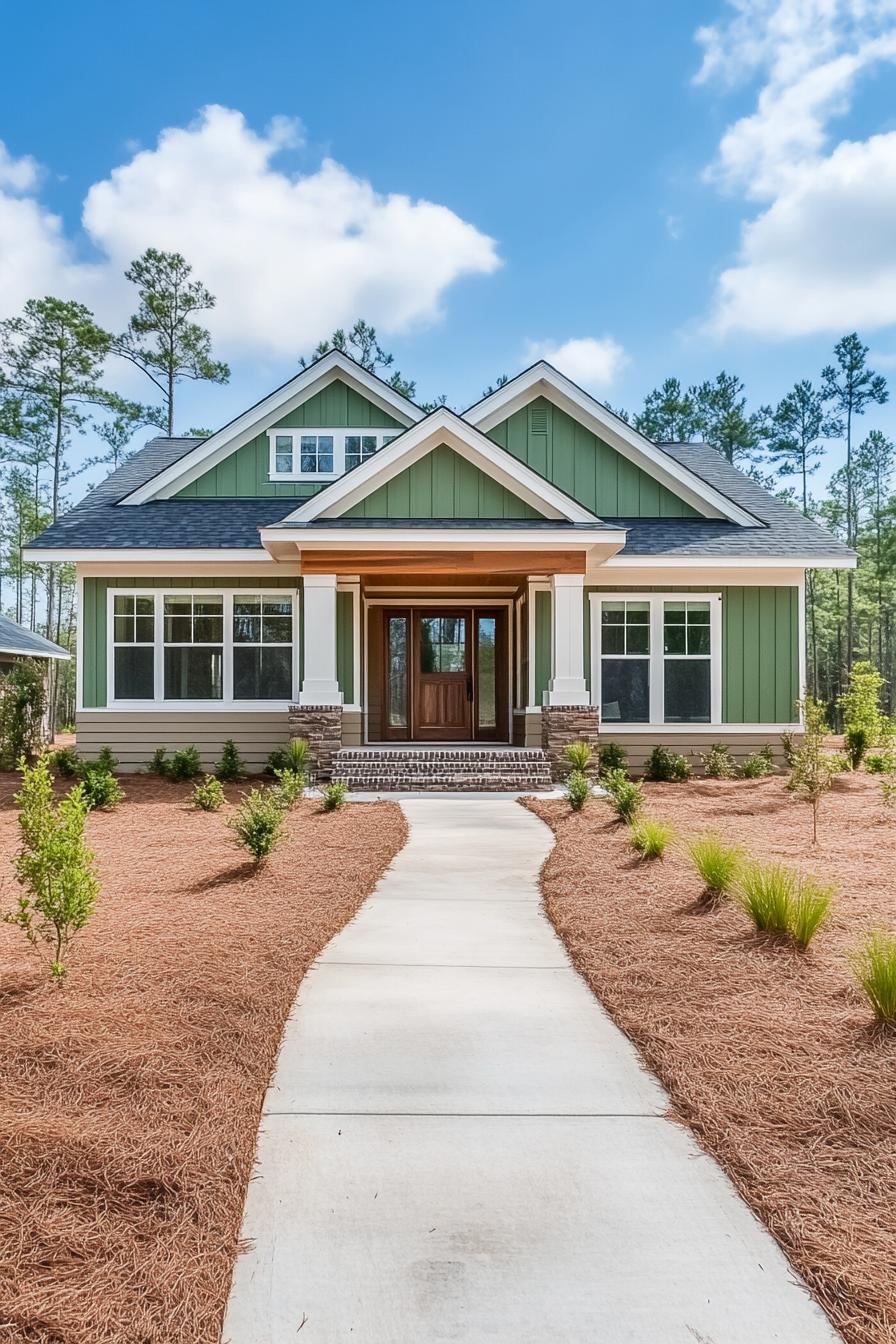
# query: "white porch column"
567,683
319,682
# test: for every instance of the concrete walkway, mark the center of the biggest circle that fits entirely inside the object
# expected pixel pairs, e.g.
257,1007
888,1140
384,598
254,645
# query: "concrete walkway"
458,1144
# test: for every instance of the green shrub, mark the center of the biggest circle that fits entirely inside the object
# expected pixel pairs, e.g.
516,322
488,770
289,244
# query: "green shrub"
874,966
578,756
860,703
208,794
667,766
289,788
100,787
23,703
578,789
782,901
813,769
158,762
66,762
184,764
650,838
788,747
106,761
759,764
879,763
612,756
230,768
296,756
66,728
54,867
626,799
888,790
718,763
334,796
717,863
258,823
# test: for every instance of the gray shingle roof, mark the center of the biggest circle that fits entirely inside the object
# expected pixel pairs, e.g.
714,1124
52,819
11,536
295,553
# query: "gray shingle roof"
232,524
14,638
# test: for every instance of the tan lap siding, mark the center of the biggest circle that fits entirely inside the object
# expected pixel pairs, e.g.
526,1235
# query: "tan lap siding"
133,737
692,745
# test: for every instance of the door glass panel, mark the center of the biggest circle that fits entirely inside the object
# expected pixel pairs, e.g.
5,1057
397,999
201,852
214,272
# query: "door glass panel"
398,671
443,644
486,670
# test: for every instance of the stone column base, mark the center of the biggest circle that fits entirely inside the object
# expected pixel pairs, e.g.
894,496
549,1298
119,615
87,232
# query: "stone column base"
562,724
321,725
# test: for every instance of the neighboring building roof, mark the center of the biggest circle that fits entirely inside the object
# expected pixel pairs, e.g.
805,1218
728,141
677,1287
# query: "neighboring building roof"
15,639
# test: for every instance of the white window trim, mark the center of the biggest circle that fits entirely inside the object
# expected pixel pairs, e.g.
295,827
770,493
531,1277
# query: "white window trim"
656,659
337,435
227,702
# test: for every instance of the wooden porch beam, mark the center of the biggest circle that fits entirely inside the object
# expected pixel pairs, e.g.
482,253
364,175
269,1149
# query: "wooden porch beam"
443,562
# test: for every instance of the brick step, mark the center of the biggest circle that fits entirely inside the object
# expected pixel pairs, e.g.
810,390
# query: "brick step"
509,755
431,767
466,783
442,769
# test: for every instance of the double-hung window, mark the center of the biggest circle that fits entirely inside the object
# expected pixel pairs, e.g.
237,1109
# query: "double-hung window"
133,647
657,658
262,648
193,638
306,454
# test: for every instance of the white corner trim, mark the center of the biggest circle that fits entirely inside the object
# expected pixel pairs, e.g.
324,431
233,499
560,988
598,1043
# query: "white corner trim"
543,379
442,426
655,657
252,422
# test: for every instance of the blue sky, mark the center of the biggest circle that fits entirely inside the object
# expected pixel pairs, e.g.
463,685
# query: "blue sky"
672,189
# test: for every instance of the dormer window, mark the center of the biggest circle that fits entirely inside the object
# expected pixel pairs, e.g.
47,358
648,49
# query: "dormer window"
312,454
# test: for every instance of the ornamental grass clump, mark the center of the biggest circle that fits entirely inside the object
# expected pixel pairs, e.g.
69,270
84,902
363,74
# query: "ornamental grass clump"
717,863
649,838
258,823
578,756
208,794
784,902
54,867
874,966
578,789
296,757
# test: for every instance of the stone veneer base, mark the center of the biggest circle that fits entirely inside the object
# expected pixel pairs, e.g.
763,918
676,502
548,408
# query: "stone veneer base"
321,725
562,724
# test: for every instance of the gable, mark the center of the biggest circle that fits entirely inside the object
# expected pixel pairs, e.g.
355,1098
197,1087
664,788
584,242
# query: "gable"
246,470
443,484
558,447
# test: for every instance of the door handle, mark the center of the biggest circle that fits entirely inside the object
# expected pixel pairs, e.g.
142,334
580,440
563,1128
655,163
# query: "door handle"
469,688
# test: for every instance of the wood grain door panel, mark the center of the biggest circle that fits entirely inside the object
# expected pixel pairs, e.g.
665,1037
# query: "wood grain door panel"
443,689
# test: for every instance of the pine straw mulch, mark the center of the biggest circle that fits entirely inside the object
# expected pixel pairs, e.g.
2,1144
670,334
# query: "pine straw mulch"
130,1097
768,1054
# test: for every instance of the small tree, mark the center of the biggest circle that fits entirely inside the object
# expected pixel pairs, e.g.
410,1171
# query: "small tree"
812,769
23,705
861,711
53,866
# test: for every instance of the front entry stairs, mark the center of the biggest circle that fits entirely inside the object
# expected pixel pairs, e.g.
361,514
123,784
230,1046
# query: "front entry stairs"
443,769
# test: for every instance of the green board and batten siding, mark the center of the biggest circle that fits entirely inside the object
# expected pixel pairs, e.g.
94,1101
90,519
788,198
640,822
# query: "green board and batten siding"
93,672
575,460
246,471
760,650
442,485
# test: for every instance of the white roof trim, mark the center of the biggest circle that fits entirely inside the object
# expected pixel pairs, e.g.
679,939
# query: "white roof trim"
544,380
442,426
141,555
437,538
670,559
317,376
53,652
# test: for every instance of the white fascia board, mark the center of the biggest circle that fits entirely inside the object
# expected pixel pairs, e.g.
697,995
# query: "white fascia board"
317,376
144,555
800,562
543,379
438,538
442,426
36,653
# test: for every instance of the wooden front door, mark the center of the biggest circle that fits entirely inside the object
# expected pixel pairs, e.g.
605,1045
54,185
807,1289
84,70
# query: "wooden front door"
443,676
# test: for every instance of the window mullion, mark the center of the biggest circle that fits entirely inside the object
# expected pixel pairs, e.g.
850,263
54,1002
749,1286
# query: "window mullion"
227,650
158,617
657,660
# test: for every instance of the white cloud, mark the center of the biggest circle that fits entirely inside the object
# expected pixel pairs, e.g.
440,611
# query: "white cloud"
17,174
591,361
288,256
816,257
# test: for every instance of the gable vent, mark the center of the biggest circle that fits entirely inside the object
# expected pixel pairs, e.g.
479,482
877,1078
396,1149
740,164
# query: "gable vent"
538,420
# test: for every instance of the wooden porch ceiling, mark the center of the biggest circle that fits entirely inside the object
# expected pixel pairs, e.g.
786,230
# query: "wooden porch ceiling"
507,564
